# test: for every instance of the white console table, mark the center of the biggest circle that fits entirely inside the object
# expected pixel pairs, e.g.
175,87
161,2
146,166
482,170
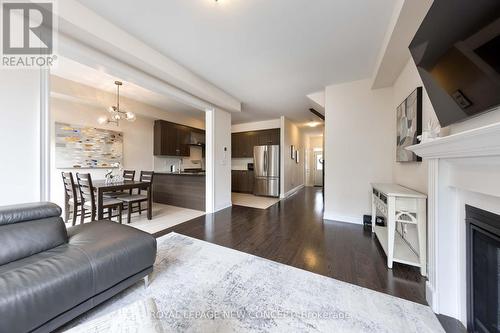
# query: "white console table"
400,205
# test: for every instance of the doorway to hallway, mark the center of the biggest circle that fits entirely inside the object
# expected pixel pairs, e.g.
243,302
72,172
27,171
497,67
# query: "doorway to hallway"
318,168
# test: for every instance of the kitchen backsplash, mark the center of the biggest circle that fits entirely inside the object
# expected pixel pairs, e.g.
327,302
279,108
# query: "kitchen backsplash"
162,163
240,163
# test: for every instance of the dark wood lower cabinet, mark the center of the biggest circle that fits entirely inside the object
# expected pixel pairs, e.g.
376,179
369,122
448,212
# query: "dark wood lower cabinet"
242,181
186,191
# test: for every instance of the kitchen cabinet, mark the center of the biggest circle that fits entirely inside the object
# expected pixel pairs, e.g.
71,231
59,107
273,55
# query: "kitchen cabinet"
242,143
269,137
242,181
182,190
172,139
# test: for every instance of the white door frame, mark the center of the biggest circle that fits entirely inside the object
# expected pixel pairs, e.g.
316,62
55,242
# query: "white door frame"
45,128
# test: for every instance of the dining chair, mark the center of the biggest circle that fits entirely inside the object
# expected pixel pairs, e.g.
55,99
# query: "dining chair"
130,200
72,200
89,202
127,175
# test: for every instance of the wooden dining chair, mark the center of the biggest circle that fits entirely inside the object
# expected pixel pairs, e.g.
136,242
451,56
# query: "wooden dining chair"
89,202
72,202
139,198
127,175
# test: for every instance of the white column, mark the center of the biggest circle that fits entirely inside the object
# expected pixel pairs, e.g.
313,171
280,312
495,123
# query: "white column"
432,255
45,135
218,160
20,102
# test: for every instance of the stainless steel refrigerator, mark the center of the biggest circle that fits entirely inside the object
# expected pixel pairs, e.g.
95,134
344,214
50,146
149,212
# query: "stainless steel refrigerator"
267,170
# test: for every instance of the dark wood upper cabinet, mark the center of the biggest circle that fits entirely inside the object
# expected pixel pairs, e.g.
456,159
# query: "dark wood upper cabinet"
172,139
235,144
242,143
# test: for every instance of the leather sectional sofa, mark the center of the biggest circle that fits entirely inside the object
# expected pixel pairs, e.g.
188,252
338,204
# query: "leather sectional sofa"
50,275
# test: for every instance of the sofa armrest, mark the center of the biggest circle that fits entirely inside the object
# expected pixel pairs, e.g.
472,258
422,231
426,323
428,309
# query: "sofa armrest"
28,212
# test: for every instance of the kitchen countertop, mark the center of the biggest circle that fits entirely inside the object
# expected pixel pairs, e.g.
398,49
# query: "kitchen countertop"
195,174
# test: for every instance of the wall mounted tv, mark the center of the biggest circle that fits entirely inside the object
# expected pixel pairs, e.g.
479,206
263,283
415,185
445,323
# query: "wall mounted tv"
457,53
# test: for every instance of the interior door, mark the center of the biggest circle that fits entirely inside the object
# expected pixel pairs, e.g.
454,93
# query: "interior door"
318,168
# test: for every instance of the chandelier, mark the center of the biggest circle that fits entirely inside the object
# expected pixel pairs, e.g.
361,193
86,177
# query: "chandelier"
115,114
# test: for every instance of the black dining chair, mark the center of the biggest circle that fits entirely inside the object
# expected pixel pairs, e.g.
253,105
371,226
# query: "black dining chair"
131,200
89,202
72,201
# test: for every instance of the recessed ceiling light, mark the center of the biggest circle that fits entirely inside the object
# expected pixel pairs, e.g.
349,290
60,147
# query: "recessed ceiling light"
313,124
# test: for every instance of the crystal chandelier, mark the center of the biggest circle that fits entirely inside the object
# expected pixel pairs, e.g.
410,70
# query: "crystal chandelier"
115,114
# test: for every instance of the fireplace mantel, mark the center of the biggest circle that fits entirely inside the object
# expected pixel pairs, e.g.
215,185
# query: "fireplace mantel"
478,142
463,168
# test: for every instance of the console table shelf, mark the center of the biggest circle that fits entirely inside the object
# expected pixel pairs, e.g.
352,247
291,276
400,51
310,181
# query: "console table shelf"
400,205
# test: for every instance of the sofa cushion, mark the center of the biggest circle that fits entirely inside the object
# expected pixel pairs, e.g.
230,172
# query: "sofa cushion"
20,240
115,251
36,289
28,212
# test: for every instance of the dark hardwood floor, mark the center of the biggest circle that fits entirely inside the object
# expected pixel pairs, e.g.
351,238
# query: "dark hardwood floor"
293,232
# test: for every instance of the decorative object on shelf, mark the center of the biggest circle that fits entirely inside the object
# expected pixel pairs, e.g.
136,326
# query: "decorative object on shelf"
292,152
431,132
87,147
115,113
297,157
409,123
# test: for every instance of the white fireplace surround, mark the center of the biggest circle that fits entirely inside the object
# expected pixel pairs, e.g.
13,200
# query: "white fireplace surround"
464,168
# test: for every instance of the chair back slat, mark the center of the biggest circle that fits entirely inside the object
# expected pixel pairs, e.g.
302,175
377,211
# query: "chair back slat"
86,188
146,176
69,185
128,174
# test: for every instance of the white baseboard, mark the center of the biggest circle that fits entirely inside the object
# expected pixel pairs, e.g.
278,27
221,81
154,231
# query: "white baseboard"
292,191
332,216
223,207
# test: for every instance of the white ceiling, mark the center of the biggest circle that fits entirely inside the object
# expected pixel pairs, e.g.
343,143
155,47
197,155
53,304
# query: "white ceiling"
74,71
267,53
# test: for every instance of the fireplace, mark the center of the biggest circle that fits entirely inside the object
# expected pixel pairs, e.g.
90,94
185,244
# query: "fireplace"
483,270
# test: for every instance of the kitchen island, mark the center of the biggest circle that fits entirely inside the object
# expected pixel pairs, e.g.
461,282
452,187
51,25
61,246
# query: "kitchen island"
185,189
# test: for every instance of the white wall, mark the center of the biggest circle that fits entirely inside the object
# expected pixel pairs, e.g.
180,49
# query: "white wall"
218,152
360,127
292,174
256,126
137,142
414,174
20,136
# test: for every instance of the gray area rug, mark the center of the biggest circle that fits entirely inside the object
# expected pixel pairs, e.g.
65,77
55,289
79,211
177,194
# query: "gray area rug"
201,287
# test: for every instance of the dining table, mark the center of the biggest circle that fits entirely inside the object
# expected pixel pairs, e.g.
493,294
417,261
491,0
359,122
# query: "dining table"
102,186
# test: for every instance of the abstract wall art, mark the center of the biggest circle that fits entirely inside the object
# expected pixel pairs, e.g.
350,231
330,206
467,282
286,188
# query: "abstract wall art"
409,126
87,147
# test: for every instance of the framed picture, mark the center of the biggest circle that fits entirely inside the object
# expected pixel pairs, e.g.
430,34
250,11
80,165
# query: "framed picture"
409,126
87,147
292,152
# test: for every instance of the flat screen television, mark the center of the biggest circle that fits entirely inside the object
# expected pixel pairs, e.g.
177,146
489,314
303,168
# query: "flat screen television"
457,53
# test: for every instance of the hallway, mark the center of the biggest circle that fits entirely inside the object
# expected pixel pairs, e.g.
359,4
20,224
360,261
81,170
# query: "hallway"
293,232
